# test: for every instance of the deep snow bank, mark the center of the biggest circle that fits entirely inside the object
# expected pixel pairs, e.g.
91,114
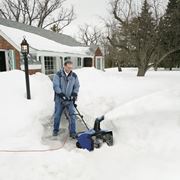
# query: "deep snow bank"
142,112
20,118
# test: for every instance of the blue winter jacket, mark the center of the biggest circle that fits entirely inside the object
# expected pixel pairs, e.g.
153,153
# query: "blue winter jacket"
65,84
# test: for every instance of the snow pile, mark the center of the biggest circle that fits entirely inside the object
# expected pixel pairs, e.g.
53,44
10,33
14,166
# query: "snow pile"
20,118
142,112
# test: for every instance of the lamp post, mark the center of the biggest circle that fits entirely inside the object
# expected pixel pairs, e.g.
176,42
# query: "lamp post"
25,52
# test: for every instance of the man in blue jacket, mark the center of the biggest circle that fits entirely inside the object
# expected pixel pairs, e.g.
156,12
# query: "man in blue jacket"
66,86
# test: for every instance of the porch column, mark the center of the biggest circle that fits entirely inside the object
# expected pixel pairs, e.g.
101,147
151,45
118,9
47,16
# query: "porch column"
43,64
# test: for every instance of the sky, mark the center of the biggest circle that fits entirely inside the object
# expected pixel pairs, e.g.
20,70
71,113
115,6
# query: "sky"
92,12
87,11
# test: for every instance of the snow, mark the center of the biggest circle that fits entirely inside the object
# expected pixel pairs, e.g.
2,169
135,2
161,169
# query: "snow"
32,66
19,117
143,113
43,44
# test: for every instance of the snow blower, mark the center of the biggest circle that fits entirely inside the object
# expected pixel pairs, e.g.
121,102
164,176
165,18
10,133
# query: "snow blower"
91,138
95,137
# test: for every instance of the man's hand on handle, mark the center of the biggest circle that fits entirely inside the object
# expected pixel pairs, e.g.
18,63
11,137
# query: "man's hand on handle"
74,96
63,96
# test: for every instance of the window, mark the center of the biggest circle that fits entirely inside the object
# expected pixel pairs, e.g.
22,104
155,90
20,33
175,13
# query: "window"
50,64
79,62
11,60
67,58
33,57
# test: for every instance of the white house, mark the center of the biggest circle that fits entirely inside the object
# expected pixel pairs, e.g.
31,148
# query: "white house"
48,50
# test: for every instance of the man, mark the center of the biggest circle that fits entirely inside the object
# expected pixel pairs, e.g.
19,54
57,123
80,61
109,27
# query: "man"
66,87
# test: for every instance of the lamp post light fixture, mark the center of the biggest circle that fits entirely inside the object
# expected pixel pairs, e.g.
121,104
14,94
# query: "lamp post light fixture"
25,52
24,47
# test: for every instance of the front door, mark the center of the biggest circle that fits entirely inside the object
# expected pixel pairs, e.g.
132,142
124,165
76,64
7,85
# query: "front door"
2,61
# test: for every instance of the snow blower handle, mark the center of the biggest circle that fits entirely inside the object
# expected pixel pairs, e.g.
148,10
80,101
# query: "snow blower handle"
69,99
78,112
73,100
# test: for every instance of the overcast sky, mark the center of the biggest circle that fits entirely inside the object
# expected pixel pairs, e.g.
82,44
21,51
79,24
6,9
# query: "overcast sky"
87,11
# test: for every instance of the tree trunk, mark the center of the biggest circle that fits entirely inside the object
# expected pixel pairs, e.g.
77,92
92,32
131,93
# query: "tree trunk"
155,68
119,67
141,71
171,64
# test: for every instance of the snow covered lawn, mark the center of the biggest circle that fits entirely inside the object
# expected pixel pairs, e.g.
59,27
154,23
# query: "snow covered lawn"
144,114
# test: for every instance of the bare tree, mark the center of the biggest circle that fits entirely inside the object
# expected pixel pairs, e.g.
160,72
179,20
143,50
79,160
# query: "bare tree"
89,34
158,8
40,13
122,12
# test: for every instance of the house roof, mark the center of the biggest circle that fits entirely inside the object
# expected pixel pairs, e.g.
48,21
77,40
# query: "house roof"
95,50
57,37
43,40
39,43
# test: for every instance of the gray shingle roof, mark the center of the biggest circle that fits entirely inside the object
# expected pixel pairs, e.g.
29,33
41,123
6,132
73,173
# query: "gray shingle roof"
60,38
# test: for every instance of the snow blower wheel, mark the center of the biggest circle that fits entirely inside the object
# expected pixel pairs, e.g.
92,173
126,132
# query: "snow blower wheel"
108,138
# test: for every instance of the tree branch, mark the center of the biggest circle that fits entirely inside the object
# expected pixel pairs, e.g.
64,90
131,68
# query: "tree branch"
167,54
117,45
